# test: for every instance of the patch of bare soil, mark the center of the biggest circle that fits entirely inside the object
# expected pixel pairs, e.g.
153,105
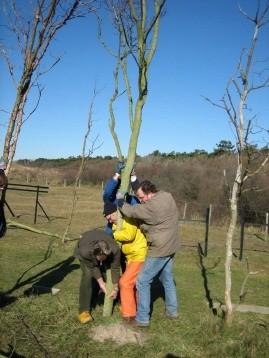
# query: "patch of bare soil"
119,333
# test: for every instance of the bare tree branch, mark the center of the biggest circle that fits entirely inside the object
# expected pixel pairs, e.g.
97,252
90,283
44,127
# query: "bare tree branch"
255,172
34,35
40,90
84,156
234,103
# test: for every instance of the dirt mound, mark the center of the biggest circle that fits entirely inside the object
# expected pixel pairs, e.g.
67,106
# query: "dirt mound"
119,333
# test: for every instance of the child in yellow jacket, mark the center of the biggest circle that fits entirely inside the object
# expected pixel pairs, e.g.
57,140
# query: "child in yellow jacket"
134,247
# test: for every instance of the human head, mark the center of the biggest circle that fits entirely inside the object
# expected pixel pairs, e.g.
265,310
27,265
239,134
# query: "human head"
101,250
110,212
146,191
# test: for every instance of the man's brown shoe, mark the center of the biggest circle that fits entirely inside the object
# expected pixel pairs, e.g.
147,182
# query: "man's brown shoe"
137,324
127,319
172,317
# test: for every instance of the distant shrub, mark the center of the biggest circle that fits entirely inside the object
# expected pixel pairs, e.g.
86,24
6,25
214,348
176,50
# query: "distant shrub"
198,180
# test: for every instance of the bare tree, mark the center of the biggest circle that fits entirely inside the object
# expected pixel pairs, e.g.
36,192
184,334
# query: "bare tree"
137,26
87,151
235,104
34,25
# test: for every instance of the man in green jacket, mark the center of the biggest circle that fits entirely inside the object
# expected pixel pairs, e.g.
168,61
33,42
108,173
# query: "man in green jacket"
159,216
96,252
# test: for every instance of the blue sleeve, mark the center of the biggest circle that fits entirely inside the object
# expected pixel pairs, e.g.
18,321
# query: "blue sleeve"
108,229
110,190
132,200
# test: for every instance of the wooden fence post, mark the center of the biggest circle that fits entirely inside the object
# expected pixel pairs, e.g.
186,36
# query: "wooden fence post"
266,225
206,230
36,202
210,214
185,210
29,188
64,183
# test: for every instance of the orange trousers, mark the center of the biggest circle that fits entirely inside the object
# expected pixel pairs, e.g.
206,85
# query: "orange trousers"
127,288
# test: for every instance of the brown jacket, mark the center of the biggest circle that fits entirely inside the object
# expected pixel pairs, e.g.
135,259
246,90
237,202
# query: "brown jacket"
84,252
159,218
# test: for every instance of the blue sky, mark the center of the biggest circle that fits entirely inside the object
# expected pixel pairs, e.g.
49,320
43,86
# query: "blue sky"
199,47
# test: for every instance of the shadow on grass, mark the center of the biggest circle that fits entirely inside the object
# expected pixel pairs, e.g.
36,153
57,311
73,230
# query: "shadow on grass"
259,237
205,280
156,291
97,296
6,300
51,277
11,353
45,279
54,218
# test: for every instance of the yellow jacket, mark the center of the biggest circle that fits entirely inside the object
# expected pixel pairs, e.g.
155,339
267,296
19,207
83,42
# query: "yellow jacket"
134,243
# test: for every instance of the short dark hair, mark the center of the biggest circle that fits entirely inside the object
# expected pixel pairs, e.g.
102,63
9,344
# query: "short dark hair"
101,248
147,187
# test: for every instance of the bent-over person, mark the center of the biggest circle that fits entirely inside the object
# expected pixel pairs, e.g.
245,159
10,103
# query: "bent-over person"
96,251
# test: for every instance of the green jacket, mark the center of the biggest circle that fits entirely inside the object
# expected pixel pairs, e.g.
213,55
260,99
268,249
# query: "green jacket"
84,252
159,217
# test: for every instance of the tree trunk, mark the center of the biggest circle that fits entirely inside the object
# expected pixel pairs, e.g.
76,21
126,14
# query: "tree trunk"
125,181
229,246
145,51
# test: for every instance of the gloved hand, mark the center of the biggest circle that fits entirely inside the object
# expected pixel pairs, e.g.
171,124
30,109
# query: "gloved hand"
120,166
120,199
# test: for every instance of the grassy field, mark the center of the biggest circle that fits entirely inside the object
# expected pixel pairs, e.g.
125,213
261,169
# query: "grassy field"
44,325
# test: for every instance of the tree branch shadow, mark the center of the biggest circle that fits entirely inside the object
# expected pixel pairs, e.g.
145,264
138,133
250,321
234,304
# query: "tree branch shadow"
11,353
51,277
204,274
259,237
42,282
19,283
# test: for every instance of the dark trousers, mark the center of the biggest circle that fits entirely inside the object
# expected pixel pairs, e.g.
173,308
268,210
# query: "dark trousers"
3,225
85,290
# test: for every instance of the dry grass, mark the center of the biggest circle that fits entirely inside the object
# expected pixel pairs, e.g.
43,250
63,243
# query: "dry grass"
44,325
57,204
